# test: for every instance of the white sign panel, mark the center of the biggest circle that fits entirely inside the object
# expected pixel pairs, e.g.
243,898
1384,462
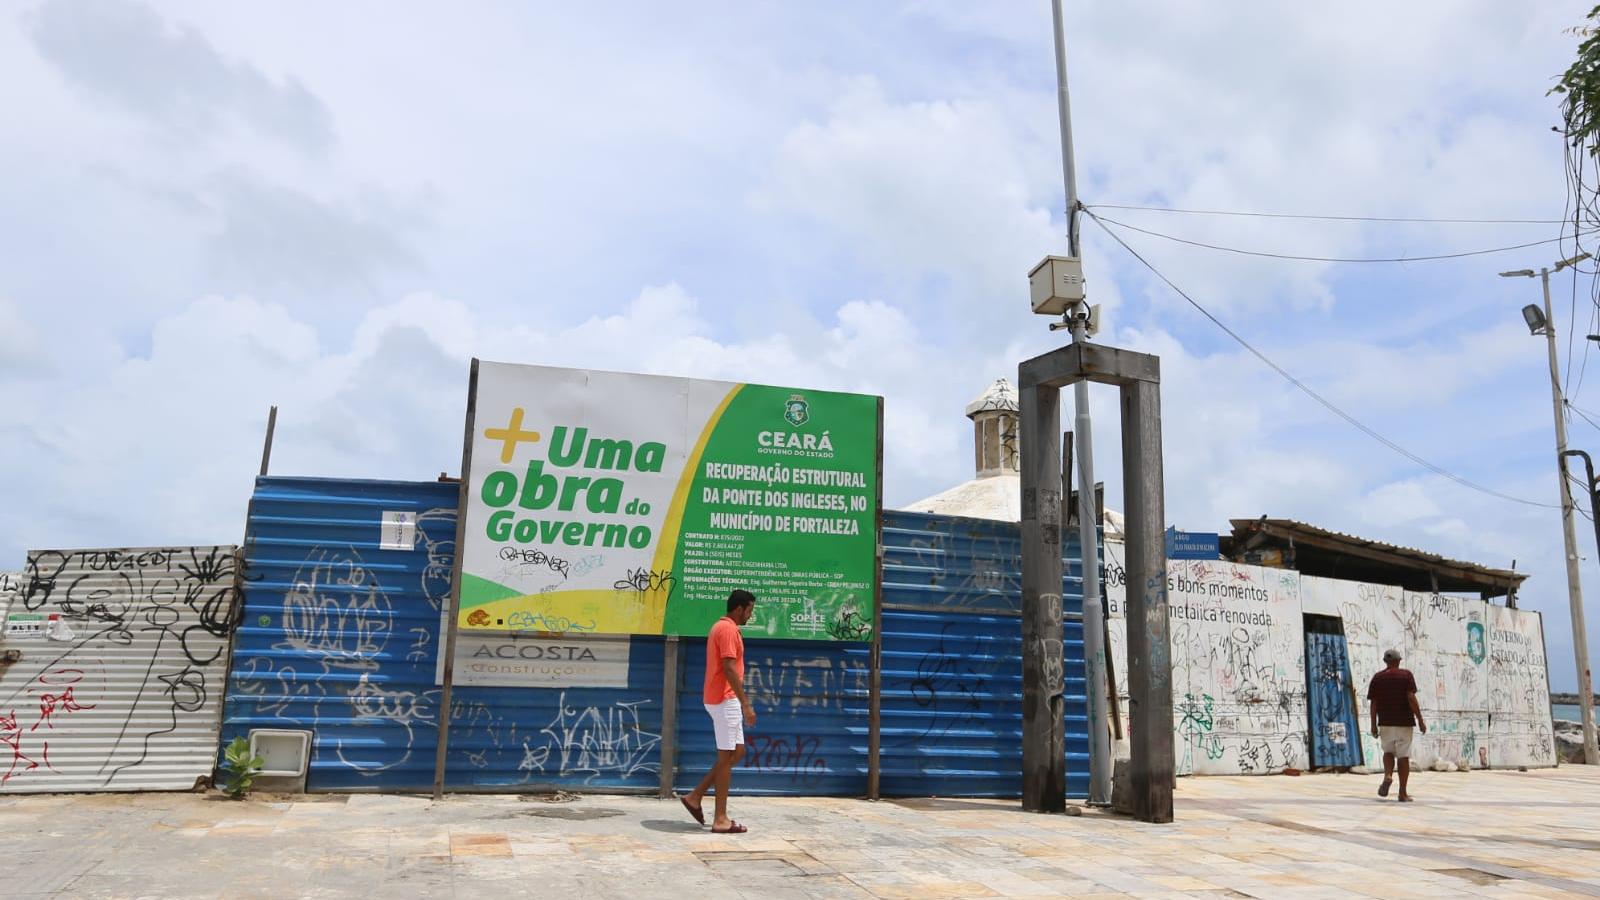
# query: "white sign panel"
399,531
24,625
509,659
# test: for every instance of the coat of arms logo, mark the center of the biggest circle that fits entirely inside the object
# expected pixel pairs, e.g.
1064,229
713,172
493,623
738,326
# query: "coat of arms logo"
796,411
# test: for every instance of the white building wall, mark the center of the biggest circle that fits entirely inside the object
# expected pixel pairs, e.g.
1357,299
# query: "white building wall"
1519,691
1238,657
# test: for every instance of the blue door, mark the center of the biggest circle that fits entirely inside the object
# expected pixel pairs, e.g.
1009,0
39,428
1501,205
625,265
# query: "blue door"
1335,732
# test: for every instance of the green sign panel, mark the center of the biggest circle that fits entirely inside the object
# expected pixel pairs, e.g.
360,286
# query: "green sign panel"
606,503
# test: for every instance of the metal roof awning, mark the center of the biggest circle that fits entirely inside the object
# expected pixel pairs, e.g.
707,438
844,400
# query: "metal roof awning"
1331,554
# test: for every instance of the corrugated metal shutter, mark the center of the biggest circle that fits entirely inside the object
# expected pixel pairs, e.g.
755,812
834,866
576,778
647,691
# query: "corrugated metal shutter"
577,738
811,701
341,636
952,659
118,663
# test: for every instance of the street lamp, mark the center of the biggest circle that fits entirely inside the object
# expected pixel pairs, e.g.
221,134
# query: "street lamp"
1535,319
1540,321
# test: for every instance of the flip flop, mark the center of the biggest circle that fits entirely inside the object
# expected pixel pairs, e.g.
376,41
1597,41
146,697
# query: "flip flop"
733,828
697,812
1383,789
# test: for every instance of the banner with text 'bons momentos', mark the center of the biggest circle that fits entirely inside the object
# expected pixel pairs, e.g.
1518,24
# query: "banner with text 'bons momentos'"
605,503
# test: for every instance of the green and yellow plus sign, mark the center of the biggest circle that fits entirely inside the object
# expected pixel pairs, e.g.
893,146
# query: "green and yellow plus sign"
511,435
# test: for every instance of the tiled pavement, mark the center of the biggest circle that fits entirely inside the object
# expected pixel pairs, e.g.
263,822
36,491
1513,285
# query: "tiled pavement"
1499,834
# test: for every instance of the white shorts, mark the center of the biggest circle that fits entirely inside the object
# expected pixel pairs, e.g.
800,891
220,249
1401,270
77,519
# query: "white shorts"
727,720
1395,739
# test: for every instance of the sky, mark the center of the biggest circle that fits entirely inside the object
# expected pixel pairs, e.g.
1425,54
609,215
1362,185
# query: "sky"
215,208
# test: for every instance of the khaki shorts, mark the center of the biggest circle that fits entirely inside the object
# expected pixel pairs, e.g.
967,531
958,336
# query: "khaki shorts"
1395,739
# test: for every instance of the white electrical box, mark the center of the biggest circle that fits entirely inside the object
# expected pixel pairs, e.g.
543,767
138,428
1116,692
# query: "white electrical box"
1056,284
284,753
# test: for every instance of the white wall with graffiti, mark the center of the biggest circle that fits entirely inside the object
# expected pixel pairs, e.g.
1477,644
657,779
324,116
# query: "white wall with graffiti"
1238,664
1239,678
1480,670
1519,691
1237,639
112,665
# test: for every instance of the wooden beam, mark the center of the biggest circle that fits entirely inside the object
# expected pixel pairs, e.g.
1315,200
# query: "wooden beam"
1044,739
1089,362
1389,557
1153,763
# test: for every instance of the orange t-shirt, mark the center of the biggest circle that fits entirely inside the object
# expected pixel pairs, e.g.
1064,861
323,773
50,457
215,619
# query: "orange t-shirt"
724,642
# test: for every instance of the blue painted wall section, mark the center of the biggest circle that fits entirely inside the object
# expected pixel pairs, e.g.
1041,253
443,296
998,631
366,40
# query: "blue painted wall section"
536,738
340,636
811,700
952,659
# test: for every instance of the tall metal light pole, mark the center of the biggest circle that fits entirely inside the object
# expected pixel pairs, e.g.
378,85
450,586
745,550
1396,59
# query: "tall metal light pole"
1542,322
1078,320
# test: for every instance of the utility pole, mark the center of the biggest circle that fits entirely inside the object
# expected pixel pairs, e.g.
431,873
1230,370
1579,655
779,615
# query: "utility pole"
1543,322
266,445
1078,321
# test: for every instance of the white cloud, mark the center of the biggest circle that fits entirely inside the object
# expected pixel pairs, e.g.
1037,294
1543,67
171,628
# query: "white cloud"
273,234
21,352
841,197
123,54
935,195
1398,502
187,417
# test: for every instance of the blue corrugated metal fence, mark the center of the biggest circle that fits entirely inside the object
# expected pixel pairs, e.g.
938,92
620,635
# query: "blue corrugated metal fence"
952,659
543,738
811,700
340,636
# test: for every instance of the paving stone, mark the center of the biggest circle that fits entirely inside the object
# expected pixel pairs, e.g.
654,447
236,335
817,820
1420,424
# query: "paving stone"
1481,834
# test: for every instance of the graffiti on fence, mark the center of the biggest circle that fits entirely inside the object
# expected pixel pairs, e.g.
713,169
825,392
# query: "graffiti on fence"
338,655
589,741
135,636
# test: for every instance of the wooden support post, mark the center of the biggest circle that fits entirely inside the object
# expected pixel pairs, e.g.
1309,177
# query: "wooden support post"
1149,660
1044,765
266,445
1112,702
1069,505
669,715
1149,648
447,641
875,652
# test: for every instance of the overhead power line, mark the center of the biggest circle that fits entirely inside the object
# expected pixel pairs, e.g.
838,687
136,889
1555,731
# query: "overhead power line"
1327,218
1330,259
1582,490
1587,417
1306,389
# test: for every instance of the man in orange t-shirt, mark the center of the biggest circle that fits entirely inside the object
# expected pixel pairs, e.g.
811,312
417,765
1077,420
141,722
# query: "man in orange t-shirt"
728,707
